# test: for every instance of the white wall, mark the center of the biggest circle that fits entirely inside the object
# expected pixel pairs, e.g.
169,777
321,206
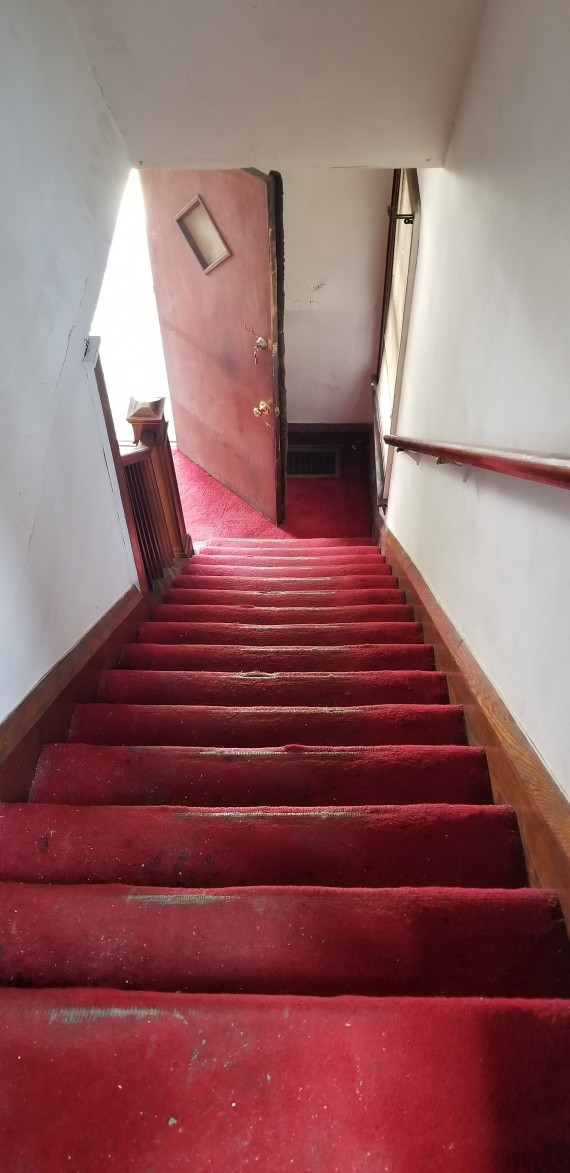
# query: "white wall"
335,228
239,83
63,561
126,317
488,363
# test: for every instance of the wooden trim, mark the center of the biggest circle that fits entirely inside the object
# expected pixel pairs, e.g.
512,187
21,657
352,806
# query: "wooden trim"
134,453
518,776
389,269
169,491
207,266
121,478
365,426
151,429
545,468
413,186
330,435
44,715
277,255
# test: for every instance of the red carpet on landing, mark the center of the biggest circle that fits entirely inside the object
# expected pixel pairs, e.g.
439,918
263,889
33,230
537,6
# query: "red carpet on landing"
335,507
261,913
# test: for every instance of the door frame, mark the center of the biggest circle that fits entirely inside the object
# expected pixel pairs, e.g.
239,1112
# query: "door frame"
384,466
274,186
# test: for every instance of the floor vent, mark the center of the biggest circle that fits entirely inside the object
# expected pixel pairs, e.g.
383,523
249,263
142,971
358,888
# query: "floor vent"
304,461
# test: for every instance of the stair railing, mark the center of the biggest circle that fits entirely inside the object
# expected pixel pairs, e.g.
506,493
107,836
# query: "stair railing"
153,490
544,468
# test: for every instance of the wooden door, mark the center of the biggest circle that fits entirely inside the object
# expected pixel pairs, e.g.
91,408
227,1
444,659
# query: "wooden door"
227,392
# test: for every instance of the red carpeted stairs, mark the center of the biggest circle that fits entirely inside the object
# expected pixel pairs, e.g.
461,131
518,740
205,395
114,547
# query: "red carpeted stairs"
261,912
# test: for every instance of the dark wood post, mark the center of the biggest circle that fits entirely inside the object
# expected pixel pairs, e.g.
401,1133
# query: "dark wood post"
151,429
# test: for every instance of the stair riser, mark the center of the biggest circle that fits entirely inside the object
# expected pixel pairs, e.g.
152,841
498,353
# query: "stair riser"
355,658
298,688
382,944
187,613
86,774
202,725
272,635
365,847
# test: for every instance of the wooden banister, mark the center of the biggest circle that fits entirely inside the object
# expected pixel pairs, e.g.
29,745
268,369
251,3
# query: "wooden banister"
150,430
153,490
147,483
134,453
544,468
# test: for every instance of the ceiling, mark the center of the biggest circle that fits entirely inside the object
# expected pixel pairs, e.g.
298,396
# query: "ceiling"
223,83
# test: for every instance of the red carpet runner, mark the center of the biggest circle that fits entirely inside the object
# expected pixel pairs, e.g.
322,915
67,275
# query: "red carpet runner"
261,912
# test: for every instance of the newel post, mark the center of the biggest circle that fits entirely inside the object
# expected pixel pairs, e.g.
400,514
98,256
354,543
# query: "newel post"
150,428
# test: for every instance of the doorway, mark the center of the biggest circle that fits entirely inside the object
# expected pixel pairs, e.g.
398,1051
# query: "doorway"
216,249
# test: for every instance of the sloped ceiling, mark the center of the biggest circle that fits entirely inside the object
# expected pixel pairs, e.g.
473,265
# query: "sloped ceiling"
225,83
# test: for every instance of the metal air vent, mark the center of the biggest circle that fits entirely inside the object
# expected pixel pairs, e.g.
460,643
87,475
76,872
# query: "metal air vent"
304,461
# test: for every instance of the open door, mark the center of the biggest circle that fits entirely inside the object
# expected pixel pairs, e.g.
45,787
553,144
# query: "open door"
215,240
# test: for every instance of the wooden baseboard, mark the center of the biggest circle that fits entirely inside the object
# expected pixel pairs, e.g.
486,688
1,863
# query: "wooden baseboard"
350,429
518,777
323,435
44,715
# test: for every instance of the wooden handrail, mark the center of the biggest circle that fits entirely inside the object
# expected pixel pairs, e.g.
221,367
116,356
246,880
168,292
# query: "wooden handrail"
134,453
545,468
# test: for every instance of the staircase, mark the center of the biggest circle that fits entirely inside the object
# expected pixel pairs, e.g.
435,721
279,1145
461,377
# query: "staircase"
261,914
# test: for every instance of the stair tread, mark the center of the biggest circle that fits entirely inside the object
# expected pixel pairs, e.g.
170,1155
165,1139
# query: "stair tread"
294,568
234,613
291,541
374,846
288,583
288,599
381,942
263,688
270,821
268,635
145,724
282,556
241,657
87,774
286,547
486,1082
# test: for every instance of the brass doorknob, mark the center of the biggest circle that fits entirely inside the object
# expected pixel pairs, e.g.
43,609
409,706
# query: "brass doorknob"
262,408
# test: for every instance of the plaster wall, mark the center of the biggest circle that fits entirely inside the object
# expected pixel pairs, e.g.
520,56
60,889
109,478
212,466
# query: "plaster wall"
335,228
64,560
487,363
238,83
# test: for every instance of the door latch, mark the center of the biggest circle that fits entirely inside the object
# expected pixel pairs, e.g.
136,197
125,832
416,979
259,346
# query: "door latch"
259,344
